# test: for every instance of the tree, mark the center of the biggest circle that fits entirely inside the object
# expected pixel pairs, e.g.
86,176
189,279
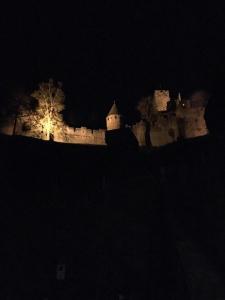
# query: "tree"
48,119
17,106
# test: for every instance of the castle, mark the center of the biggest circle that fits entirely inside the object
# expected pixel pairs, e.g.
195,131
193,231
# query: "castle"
170,120
177,118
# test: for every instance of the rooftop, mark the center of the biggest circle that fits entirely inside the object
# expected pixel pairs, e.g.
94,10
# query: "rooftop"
113,110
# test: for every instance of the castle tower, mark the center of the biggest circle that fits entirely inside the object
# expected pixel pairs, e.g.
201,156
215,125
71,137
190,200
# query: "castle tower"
113,119
160,100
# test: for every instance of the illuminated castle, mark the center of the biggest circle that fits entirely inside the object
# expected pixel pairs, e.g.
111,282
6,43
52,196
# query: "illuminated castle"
175,119
172,119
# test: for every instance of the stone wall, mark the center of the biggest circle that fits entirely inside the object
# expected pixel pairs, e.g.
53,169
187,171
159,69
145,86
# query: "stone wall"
194,124
139,130
7,127
165,130
81,135
66,134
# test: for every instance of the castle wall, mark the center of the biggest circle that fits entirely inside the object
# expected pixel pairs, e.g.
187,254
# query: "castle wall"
81,135
194,123
66,134
7,128
165,130
139,130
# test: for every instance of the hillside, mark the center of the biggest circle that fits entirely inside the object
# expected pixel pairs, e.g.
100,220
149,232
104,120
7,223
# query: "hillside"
101,213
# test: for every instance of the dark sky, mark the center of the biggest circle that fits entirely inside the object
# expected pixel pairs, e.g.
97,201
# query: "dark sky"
103,51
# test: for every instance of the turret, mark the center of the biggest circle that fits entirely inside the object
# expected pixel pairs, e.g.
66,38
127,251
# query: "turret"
114,119
160,99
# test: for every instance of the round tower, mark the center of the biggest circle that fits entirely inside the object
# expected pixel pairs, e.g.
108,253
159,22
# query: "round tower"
113,119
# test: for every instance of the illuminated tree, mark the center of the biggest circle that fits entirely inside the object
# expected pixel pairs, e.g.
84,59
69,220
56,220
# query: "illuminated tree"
47,119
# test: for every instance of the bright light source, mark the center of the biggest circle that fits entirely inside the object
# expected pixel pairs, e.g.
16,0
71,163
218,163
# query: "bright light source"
48,126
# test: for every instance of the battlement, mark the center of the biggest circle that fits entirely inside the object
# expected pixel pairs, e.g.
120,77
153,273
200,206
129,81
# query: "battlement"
82,135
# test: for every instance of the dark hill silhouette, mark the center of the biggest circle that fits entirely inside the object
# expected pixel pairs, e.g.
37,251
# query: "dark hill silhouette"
123,222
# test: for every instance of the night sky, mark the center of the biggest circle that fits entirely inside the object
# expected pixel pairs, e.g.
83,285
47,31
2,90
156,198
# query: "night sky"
106,51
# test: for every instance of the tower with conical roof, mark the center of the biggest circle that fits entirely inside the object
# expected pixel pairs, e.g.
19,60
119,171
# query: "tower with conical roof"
113,119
